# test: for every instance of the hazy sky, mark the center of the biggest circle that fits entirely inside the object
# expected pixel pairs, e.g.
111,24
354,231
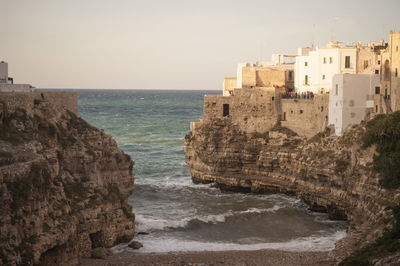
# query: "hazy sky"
128,44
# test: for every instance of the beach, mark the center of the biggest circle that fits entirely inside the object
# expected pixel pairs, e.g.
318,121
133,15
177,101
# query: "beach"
253,257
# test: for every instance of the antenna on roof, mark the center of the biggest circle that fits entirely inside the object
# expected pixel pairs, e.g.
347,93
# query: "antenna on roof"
333,33
313,37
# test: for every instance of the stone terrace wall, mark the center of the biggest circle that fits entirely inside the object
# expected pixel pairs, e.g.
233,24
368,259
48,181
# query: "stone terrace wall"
263,77
26,100
306,117
253,110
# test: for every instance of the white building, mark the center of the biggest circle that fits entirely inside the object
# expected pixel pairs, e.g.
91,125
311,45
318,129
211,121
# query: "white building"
7,83
349,99
315,68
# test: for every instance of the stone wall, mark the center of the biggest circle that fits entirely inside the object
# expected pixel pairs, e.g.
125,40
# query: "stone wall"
258,110
252,109
263,77
306,117
228,85
5,87
27,100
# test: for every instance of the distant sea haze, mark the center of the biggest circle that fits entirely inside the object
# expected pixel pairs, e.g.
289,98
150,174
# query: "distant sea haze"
150,126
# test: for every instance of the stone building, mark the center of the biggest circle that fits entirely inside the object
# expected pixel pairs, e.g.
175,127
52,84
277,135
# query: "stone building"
316,68
350,83
229,85
7,83
387,98
350,99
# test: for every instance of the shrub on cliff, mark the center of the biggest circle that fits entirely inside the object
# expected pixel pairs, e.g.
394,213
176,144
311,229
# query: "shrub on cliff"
387,244
384,131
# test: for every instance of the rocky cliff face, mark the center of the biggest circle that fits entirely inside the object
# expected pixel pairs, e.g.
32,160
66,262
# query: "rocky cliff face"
329,173
64,187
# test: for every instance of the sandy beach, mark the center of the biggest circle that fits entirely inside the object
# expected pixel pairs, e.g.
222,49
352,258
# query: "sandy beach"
254,257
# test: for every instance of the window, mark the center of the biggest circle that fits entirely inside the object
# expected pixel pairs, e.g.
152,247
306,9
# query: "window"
379,62
322,108
306,80
365,64
397,48
290,75
376,71
376,108
284,116
301,111
337,88
377,90
347,61
324,60
396,73
272,98
330,60
225,109
305,63
323,76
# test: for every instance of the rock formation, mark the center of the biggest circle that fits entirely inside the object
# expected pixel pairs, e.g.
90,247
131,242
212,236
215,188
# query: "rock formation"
331,174
64,186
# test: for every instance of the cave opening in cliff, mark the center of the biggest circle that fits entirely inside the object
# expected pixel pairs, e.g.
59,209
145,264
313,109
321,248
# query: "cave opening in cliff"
97,239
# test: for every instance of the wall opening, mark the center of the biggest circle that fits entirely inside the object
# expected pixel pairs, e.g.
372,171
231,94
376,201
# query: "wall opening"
225,109
377,90
387,70
376,108
284,116
97,239
347,61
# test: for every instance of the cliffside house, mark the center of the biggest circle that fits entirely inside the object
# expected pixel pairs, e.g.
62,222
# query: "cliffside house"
7,83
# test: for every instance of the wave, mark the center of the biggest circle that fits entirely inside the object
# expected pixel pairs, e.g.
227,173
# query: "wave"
150,224
160,245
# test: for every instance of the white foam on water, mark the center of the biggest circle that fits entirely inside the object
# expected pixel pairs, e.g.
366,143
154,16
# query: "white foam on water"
160,245
146,224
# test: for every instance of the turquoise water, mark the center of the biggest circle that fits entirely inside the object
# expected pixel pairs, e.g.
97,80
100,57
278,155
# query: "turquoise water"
172,214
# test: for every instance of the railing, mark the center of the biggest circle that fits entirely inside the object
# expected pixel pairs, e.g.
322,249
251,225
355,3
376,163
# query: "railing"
296,95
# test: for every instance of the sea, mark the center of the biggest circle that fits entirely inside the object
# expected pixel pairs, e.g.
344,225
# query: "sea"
174,214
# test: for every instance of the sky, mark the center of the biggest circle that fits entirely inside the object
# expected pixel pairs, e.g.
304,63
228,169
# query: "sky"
171,44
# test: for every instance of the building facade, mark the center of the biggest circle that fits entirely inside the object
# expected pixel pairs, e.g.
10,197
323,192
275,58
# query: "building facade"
315,69
7,83
351,99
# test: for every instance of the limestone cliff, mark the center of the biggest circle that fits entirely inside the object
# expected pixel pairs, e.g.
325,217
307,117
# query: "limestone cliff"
331,174
64,185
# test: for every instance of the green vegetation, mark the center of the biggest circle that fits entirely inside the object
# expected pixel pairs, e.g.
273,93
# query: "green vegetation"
320,135
264,135
114,194
341,166
45,228
5,154
387,244
79,123
75,190
26,251
384,131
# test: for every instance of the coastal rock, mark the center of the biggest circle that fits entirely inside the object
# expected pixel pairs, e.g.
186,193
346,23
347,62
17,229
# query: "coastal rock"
135,245
100,253
331,174
64,186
